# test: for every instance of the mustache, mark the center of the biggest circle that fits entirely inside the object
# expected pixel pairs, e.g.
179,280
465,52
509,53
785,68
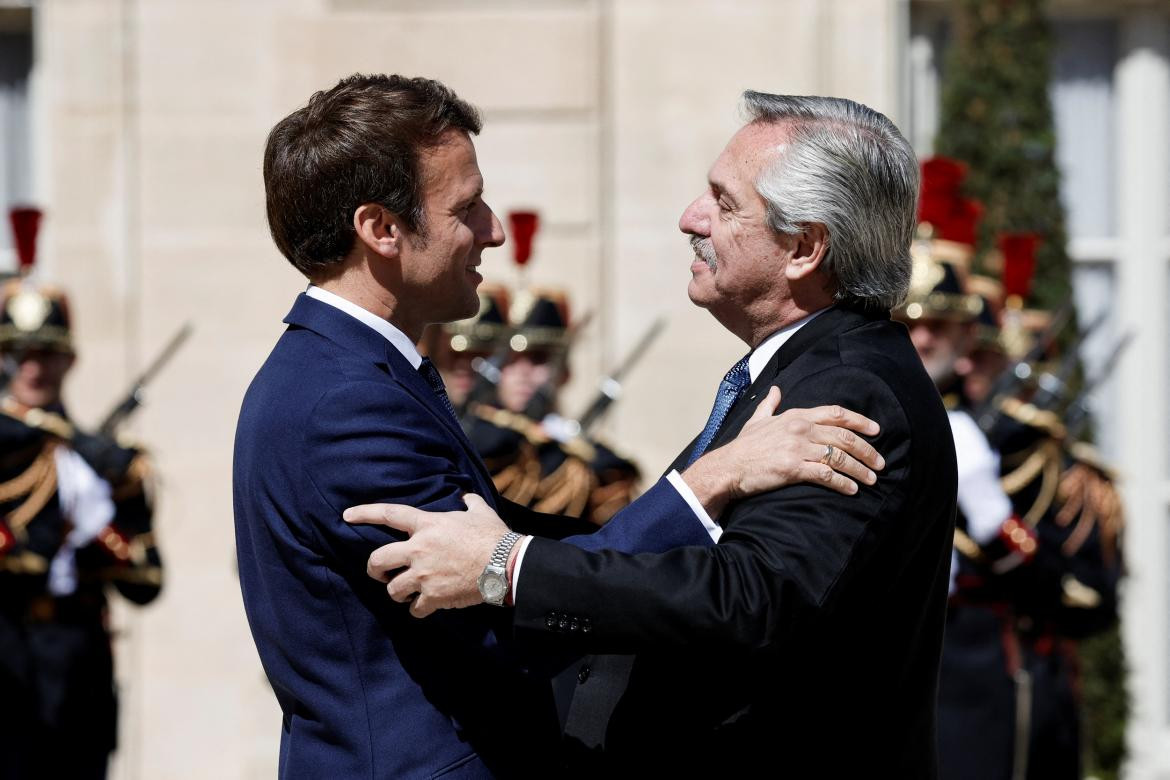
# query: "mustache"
704,250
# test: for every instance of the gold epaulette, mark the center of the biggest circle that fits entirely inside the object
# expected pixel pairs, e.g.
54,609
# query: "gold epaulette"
580,448
533,431
1029,415
607,500
49,422
566,490
1083,452
502,418
1092,500
517,480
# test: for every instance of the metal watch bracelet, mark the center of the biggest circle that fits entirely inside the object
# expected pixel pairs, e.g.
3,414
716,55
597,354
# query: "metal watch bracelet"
504,548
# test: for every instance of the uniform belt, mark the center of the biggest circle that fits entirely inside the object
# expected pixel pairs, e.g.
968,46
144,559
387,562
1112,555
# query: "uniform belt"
44,608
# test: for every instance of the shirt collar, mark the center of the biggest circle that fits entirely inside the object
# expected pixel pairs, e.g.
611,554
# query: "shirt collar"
771,345
392,334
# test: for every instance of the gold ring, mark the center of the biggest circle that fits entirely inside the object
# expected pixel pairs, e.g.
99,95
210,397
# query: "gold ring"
828,454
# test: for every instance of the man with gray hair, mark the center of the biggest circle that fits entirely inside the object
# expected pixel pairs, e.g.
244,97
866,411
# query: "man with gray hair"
808,638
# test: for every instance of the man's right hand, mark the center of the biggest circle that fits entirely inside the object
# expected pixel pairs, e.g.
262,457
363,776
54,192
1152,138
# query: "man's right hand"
774,451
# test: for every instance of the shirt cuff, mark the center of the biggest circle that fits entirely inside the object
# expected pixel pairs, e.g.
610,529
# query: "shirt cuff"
522,546
688,495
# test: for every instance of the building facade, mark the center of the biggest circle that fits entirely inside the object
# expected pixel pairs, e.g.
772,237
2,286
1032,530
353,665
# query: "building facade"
139,126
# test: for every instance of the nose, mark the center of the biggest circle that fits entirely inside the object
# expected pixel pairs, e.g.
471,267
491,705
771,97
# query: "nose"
695,219
494,233
31,367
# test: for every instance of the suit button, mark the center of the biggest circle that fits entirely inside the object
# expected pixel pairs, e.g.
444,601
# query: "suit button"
583,675
586,626
550,622
564,622
574,625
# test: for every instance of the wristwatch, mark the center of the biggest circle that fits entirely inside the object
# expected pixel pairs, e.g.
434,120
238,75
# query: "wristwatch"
493,583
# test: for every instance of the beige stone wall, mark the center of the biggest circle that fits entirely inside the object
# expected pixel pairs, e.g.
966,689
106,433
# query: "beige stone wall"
674,74
153,115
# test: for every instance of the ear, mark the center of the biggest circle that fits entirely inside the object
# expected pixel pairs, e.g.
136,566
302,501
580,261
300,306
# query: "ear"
380,231
812,244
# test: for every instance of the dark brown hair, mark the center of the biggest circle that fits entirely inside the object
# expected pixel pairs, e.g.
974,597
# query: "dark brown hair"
356,143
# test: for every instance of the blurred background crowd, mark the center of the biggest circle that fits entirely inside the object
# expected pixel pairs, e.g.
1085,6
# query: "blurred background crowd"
131,134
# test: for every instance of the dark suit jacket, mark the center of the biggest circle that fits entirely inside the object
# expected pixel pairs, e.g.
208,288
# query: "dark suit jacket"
808,639
338,417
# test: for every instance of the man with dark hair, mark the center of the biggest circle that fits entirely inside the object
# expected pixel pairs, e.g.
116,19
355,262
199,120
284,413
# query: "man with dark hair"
808,638
361,141
375,194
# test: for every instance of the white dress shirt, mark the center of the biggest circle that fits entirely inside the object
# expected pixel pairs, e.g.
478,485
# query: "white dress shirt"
759,358
396,337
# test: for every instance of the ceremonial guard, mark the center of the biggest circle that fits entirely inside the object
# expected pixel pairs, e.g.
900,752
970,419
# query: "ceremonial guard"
75,521
518,350
1036,559
504,369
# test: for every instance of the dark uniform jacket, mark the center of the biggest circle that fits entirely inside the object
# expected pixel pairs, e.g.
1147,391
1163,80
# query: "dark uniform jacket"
59,717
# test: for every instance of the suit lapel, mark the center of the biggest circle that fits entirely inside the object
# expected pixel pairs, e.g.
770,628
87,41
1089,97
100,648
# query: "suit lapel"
357,337
413,383
836,320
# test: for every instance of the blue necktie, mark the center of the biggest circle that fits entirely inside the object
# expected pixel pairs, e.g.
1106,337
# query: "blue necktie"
730,389
431,374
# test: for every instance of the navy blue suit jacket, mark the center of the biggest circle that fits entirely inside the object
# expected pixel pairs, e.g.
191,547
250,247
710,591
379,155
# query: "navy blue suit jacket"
338,417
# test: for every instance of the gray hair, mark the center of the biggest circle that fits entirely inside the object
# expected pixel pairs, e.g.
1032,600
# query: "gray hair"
847,167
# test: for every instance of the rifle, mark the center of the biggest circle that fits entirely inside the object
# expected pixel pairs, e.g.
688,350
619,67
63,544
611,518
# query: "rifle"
1015,375
1077,415
133,398
610,387
487,376
1053,388
544,399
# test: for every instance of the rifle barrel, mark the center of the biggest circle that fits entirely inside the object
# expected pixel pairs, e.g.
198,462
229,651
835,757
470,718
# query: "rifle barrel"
610,387
133,399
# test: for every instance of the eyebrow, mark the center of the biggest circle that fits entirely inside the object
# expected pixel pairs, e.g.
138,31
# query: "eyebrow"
720,190
468,199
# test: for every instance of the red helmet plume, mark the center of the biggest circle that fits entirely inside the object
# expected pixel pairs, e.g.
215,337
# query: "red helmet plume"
524,225
25,220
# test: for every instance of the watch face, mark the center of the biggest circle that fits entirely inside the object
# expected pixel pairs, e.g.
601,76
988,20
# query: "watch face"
492,587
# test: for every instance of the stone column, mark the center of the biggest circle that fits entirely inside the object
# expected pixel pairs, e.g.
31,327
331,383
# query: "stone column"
1143,114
